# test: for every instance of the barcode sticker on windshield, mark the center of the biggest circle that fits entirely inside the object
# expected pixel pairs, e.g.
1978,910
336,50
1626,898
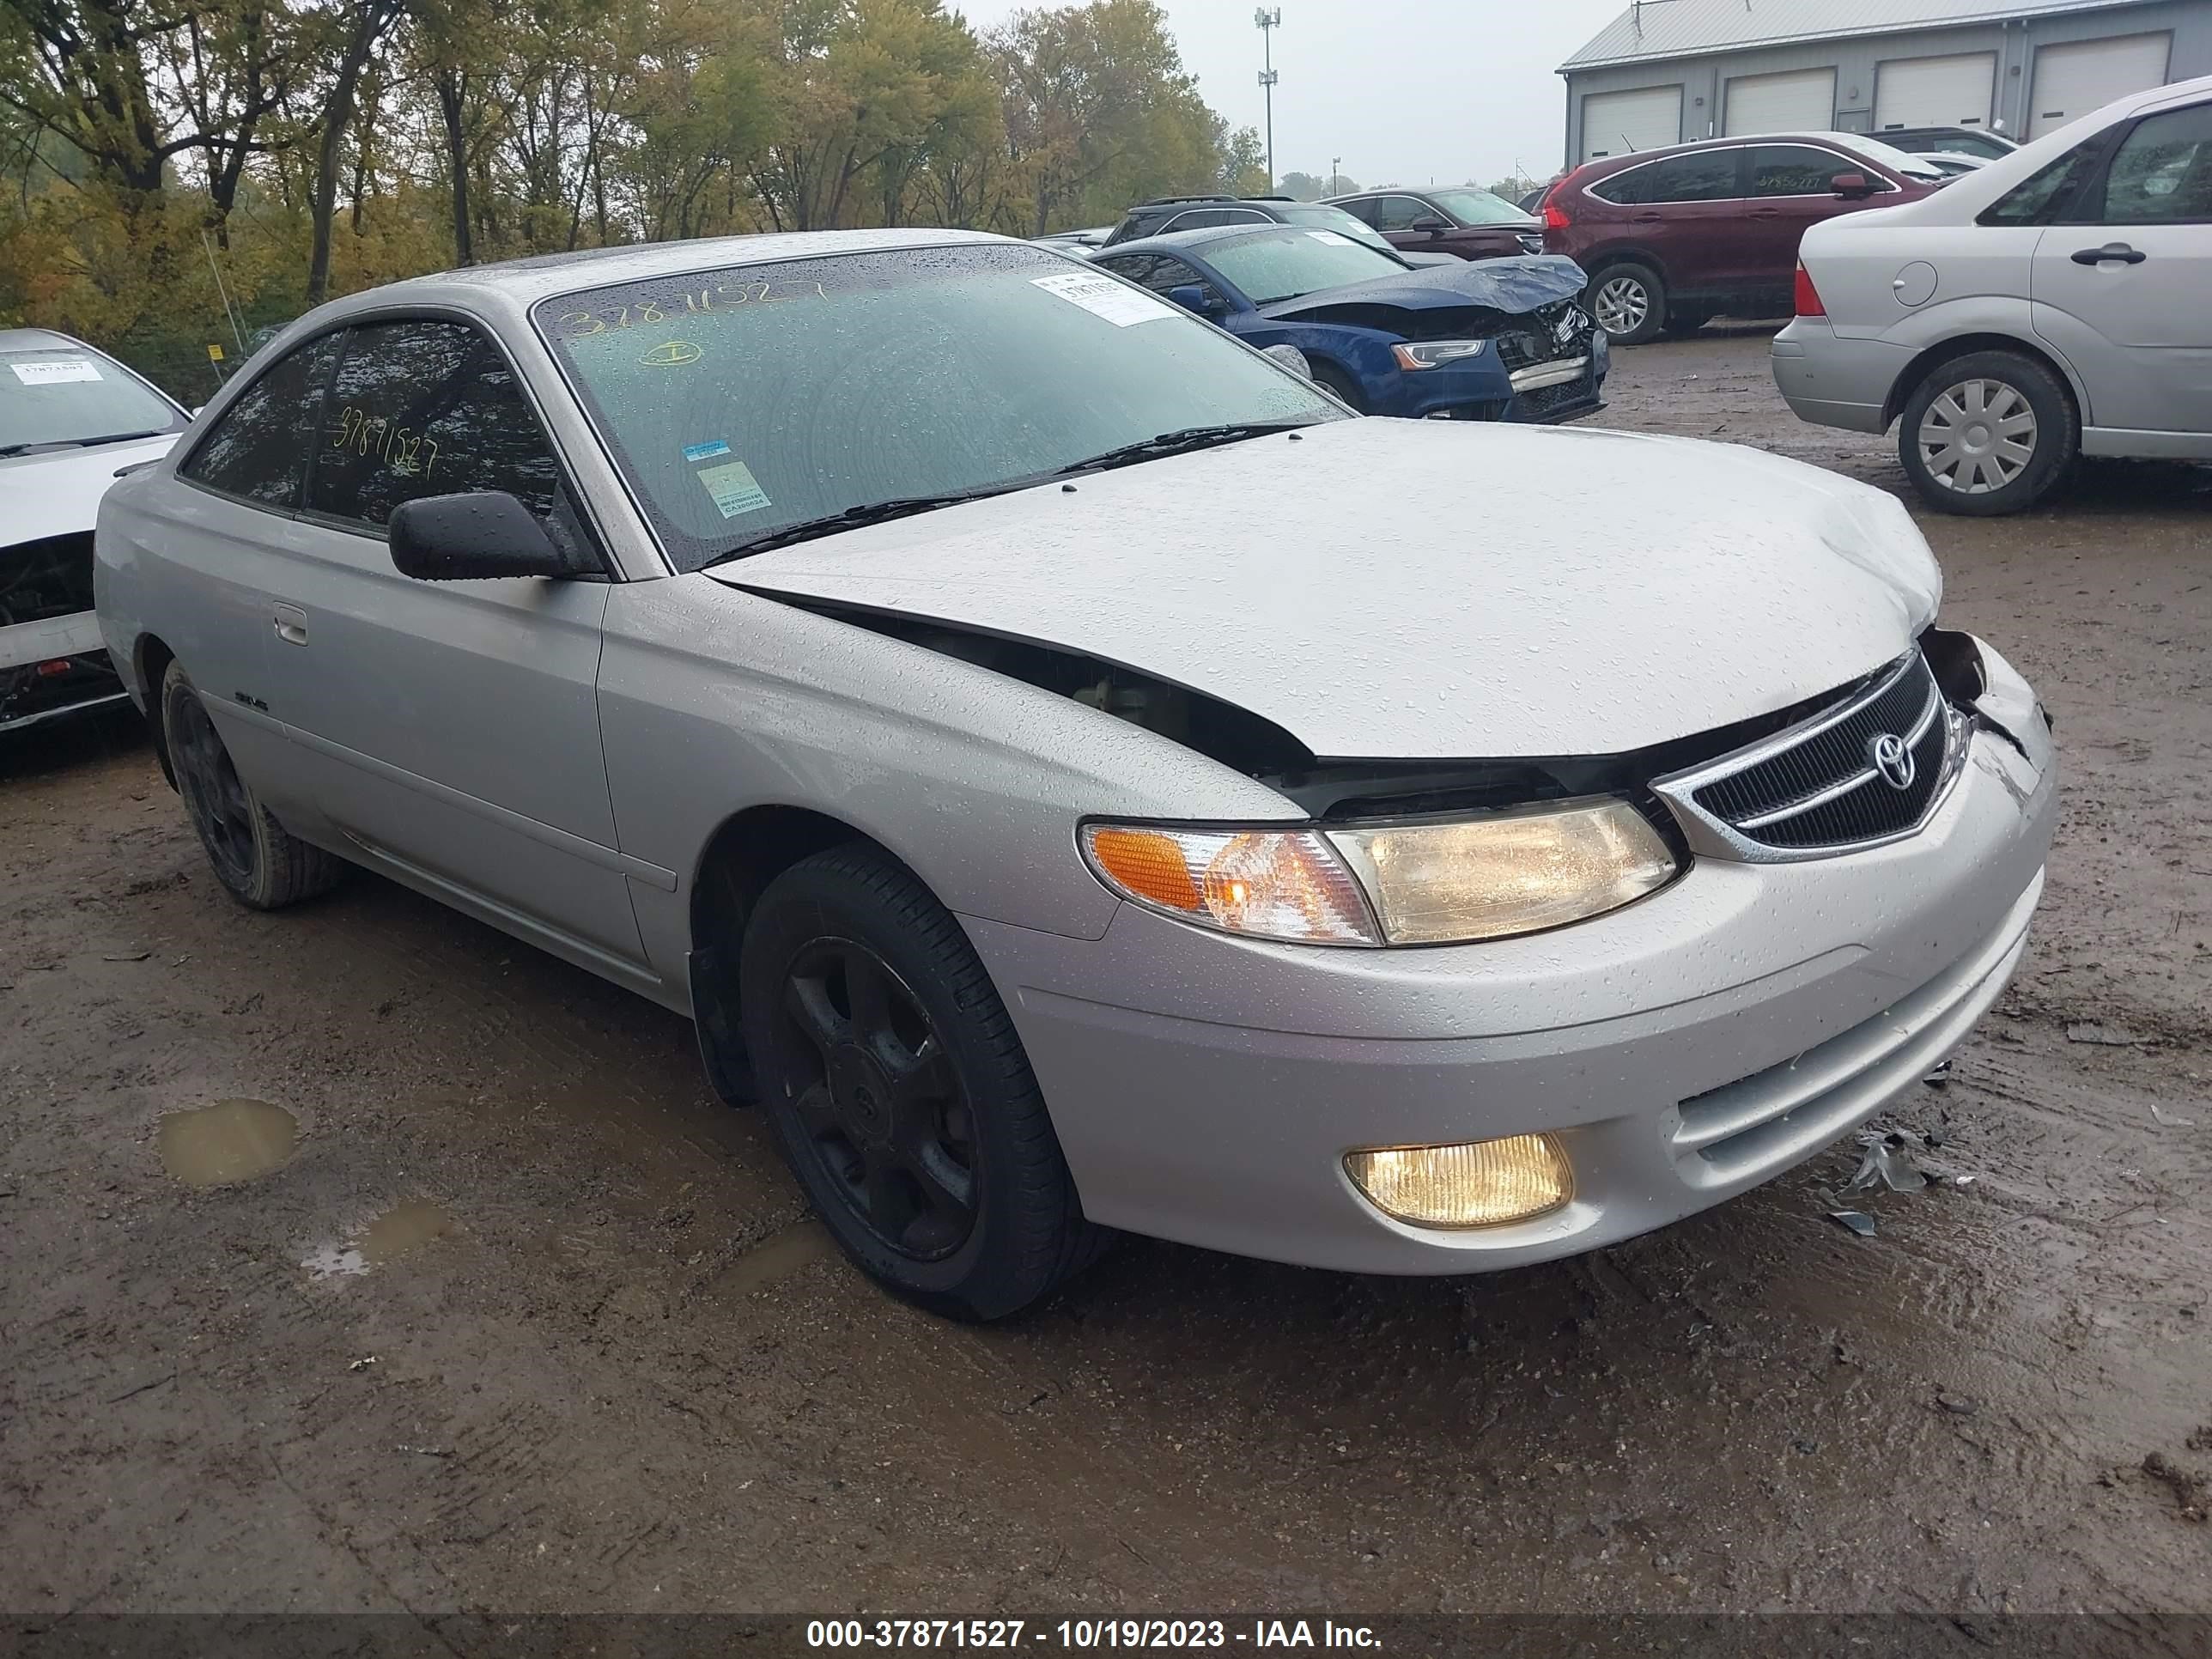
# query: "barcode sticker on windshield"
734,488
1332,238
1102,297
56,371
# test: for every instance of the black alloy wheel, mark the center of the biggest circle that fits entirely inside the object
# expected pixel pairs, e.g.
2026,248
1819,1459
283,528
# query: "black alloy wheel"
884,1112
214,795
899,1092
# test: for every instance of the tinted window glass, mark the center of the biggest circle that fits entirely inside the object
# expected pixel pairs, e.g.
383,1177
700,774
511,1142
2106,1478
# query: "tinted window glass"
66,393
742,401
1708,176
1478,207
1399,212
1799,170
1199,218
426,409
258,449
1362,210
2161,175
2044,192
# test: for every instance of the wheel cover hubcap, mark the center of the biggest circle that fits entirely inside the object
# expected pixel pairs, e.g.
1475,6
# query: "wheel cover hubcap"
1978,436
882,1111
1622,305
213,793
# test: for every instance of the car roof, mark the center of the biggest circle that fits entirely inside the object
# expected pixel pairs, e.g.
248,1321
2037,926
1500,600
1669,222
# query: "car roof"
524,282
39,339
1195,240
1733,142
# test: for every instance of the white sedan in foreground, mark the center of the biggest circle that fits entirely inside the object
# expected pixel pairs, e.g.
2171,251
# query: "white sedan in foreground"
1065,766
2055,303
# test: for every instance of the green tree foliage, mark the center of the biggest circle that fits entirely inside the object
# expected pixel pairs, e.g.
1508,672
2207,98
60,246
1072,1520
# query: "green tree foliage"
289,150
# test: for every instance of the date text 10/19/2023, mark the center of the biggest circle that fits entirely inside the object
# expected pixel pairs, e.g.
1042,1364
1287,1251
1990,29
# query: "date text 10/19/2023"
1085,1635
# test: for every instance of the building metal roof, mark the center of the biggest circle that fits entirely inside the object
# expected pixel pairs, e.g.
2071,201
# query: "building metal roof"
1685,28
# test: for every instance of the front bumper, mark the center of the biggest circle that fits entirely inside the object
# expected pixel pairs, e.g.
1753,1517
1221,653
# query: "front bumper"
1205,1088
1833,380
54,666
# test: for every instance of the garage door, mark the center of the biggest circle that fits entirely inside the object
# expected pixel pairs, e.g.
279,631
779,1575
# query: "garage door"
1801,100
1616,123
1934,92
2072,80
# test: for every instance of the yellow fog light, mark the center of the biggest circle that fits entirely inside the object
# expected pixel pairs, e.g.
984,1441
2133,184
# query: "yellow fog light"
1469,1183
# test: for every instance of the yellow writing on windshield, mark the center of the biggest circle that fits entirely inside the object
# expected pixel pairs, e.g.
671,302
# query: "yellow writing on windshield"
662,309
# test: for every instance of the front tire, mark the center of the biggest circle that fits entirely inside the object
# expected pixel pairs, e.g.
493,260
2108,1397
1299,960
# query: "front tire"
1629,303
258,862
1988,433
899,1092
1335,380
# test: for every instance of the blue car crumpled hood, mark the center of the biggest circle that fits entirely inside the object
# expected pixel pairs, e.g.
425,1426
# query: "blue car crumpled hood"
1514,286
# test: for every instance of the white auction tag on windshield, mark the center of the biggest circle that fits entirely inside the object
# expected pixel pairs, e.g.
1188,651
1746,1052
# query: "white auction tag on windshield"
1334,239
56,371
1102,297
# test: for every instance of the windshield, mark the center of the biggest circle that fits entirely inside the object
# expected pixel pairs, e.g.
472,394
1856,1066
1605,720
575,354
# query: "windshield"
1479,206
742,401
1319,215
71,394
1281,264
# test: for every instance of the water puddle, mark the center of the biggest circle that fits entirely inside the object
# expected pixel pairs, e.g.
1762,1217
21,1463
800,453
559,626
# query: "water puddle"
404,1227
232,1140
778,1255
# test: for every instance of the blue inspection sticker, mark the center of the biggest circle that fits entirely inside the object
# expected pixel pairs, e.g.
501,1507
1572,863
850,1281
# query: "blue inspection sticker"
697,452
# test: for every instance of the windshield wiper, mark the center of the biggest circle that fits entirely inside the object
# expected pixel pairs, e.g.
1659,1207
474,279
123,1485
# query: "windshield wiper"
853,517
76,443
1179,442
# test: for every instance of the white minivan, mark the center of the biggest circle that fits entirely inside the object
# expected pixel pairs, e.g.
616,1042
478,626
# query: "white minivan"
2051,305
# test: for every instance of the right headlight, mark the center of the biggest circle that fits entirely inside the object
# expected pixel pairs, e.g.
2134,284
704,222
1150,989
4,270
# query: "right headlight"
1506,872
1470,878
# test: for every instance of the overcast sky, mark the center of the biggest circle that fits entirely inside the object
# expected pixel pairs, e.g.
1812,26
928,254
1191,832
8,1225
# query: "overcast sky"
1402,89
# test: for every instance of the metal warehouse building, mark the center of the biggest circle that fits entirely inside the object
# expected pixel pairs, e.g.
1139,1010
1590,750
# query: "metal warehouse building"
1667,72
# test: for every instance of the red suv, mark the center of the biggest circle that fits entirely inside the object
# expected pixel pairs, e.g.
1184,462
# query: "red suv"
1672,237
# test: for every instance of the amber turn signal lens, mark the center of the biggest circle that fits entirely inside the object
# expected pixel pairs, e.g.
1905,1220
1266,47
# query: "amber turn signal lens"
1469,1183
1148,865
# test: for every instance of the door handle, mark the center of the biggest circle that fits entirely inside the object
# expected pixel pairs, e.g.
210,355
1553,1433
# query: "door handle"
290,623
2119,252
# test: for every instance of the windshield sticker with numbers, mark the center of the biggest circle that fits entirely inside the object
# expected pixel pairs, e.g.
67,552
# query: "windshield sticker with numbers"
1103,296
734,488
58,371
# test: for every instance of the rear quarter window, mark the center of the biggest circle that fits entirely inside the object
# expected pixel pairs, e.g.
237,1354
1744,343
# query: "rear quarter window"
257,450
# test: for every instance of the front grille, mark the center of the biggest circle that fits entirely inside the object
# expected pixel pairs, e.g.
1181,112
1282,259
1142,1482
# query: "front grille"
1825,789
48,578
1546,400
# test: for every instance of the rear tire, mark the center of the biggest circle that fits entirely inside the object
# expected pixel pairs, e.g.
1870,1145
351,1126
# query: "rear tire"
1629,303
899,1092
1989,433
258,862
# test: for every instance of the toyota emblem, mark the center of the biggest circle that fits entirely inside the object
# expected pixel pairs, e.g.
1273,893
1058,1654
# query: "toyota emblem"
1891,759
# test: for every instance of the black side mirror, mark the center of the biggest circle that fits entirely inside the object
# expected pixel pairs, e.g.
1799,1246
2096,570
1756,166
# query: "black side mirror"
1851,185
1431,223
482,533
1192,297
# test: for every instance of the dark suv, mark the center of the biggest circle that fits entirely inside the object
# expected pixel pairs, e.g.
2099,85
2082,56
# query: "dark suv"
1157,218
1469,222
1673,237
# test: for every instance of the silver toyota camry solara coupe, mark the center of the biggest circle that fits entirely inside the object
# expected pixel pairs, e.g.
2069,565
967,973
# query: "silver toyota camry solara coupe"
1077,776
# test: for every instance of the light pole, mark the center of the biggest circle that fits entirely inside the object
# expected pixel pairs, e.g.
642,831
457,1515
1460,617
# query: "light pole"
1269,22
1334,163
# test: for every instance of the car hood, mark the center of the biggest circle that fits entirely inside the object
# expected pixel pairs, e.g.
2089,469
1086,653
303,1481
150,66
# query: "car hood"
56,493
1616,590
1513,285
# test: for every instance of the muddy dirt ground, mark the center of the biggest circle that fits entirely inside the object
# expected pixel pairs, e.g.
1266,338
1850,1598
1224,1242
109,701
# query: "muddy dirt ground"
525,1320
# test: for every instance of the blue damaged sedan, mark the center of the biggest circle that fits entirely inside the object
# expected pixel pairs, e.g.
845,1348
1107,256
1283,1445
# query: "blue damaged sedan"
1493,340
